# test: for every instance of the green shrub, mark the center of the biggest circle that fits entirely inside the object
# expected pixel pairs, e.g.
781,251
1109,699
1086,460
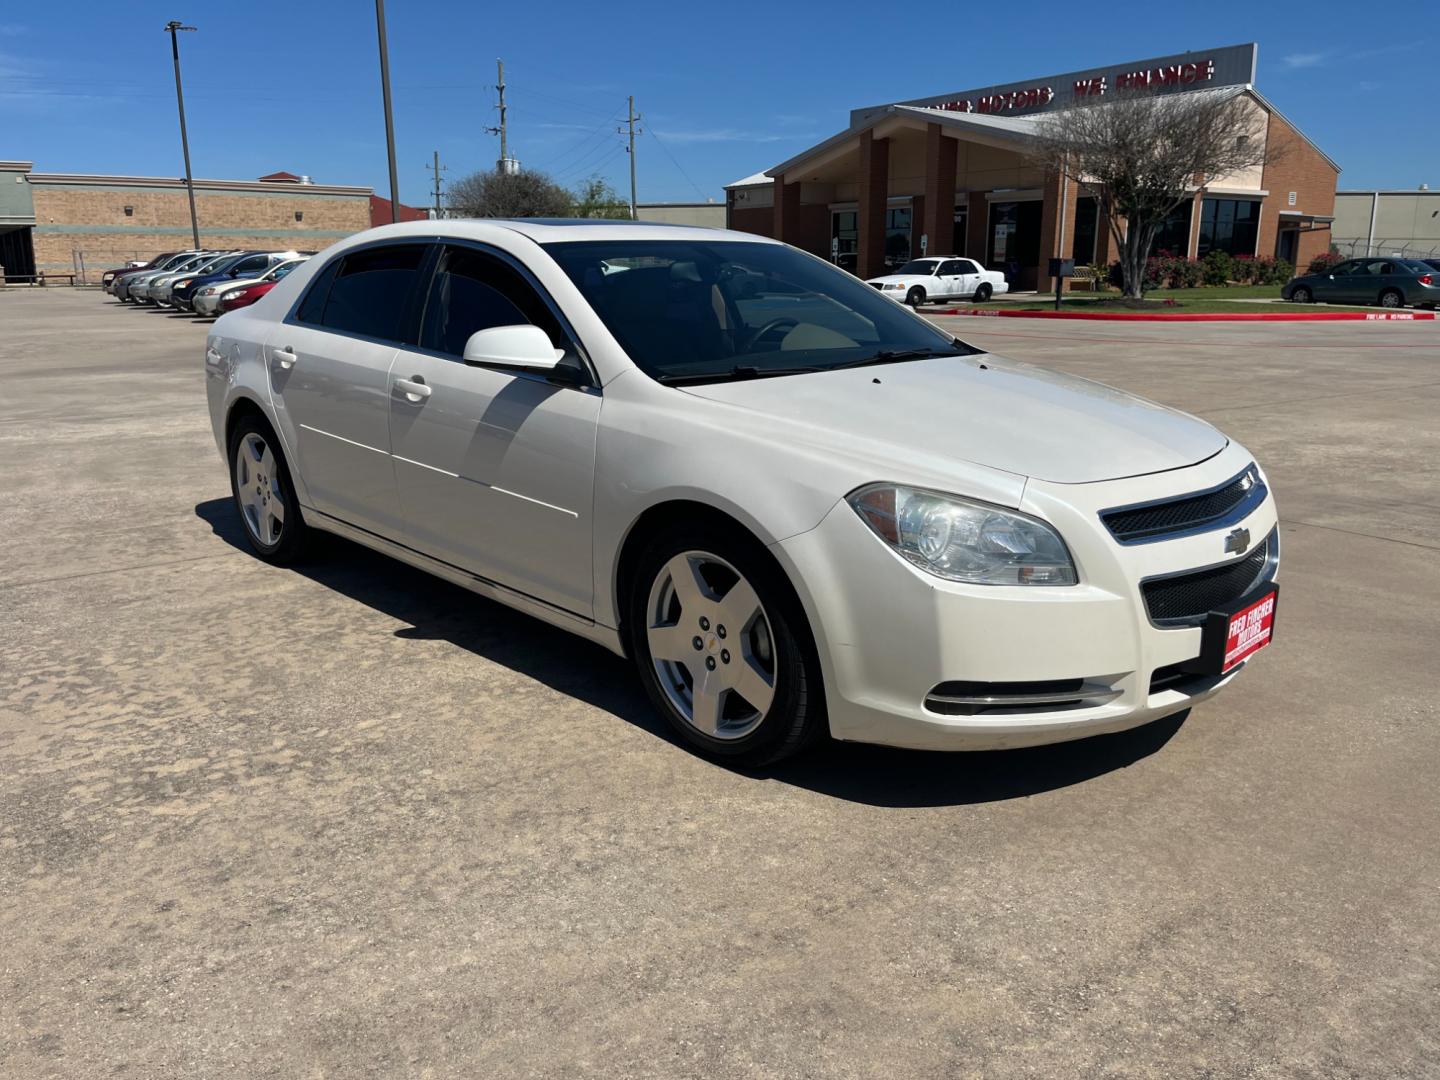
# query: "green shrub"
1281,272
1218,268
1322,264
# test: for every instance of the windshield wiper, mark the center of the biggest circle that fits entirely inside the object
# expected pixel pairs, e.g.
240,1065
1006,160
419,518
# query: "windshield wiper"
896,356
743,371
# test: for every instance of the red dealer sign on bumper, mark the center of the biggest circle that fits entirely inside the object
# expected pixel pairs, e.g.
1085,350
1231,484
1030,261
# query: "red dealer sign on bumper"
1249,631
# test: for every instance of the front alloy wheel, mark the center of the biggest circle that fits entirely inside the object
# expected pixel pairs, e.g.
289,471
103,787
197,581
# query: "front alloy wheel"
711,645
722,645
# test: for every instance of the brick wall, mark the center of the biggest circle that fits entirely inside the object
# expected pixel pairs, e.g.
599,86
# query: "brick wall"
1296,166
758,220
92,220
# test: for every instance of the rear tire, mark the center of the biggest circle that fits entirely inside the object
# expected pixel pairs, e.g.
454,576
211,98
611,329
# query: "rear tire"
915,297
1392,298
983,292
749,693
264,496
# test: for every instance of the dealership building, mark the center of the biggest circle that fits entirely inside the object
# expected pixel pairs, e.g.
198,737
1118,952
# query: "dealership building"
75,222
952,175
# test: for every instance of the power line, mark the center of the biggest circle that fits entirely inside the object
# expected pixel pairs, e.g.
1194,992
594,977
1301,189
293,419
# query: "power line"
677,165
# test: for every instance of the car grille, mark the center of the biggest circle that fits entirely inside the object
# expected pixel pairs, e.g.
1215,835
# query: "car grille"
875,285
1231,501
1185,599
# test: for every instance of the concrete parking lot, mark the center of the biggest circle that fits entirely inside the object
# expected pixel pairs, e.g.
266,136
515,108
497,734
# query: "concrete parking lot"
348,821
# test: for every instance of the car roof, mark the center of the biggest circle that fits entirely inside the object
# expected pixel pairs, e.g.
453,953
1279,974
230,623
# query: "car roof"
559,230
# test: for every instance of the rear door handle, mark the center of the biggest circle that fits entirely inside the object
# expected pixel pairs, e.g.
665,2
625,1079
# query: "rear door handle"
414,389
286,357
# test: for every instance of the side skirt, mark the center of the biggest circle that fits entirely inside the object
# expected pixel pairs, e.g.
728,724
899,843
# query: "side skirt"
493,590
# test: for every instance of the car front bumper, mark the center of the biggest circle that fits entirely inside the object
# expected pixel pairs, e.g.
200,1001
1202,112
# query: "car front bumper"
889,634
206,305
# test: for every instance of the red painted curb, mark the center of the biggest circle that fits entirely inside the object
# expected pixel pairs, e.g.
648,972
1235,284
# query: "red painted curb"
1263,316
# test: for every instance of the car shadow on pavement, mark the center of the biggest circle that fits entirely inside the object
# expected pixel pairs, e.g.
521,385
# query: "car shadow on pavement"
875,775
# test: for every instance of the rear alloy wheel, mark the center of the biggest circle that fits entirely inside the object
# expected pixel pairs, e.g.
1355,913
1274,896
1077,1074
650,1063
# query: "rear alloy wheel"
1392,298
717,639
983,292
260,484
1302,295
915,297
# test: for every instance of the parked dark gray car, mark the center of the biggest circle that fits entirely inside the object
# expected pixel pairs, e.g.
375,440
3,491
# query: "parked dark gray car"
1391,282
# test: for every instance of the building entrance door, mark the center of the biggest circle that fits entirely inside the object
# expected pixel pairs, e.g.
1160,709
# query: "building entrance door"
1015,242
1287,244
17,253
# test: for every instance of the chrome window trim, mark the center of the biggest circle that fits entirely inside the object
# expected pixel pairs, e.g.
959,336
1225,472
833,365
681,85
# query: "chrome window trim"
1236,514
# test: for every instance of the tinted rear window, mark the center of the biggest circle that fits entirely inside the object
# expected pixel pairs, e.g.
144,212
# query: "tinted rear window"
369,292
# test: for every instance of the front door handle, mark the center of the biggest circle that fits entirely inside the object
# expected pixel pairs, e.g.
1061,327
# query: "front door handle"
286,357
414,389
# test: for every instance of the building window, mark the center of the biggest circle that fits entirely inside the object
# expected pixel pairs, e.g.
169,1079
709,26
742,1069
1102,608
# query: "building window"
897,236
1087,228
129,211
1173,237
299,215
1229,225
845,231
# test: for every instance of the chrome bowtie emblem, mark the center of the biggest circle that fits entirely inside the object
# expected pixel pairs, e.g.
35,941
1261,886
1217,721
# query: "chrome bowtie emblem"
1237,541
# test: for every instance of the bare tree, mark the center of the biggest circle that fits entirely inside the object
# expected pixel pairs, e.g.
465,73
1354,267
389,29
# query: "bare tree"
509,195
1144,153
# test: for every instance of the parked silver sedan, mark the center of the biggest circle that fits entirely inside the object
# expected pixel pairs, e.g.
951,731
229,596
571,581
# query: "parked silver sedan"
140,285
160,287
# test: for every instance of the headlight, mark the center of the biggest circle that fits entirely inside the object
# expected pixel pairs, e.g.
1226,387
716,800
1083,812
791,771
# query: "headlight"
894,286
208,292
181,284
233,294
961,540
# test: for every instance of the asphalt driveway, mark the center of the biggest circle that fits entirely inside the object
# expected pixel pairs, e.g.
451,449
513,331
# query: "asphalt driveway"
349,821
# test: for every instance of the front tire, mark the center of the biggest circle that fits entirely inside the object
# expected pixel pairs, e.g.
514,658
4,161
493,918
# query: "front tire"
723,648
983,292
264,497
1302,295
915,297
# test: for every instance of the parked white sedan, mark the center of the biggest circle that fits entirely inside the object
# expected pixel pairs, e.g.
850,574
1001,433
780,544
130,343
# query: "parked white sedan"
923,281
797,506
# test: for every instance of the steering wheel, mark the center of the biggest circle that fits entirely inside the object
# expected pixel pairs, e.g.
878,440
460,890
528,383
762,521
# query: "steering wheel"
769,328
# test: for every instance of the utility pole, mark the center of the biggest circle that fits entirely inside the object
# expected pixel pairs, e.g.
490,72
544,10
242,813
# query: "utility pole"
503,165
171,28
389,115
631,119
438,170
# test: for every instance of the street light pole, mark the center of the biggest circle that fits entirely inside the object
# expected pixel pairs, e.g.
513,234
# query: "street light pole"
389,116
172,27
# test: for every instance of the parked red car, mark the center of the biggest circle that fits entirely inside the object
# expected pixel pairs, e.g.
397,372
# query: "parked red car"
246,295
238,298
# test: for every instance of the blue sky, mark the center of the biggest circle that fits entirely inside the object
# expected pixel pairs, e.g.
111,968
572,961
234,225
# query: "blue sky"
725,89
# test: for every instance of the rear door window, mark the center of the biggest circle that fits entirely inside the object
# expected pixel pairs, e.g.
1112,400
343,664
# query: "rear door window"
369,292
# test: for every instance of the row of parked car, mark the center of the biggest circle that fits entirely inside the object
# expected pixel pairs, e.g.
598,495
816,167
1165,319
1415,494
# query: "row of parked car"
202,282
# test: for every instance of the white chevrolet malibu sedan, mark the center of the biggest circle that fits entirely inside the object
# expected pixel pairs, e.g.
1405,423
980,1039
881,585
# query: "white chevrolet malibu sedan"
798,507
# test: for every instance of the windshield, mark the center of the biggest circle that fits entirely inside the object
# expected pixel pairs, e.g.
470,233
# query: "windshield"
221,265
917,268
693,309
281,270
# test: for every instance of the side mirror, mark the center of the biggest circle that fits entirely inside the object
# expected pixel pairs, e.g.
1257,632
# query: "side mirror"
525,347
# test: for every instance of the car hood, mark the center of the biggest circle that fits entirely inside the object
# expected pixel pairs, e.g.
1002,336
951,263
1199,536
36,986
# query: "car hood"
899,279
985,410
